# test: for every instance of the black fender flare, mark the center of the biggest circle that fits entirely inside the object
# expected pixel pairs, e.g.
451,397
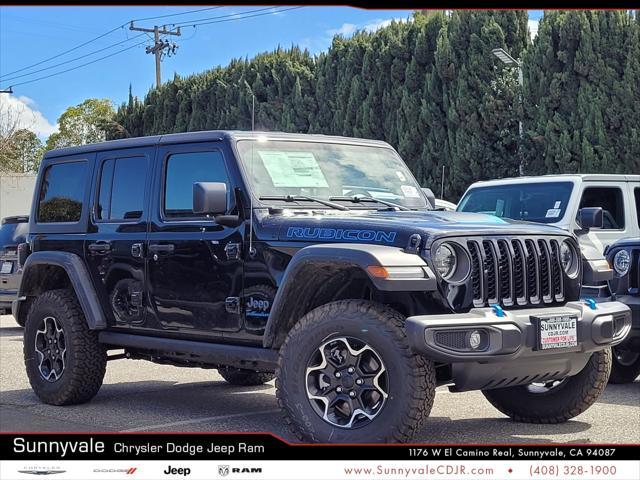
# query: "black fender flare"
342,255
79,278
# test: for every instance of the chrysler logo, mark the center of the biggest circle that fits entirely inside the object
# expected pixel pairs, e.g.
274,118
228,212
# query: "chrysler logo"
41,472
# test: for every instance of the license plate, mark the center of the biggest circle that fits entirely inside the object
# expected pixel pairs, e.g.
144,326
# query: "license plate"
6,267
557,332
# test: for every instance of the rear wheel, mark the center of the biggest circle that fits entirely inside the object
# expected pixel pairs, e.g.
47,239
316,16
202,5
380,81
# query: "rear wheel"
625,367
346,374
243,377
64,361
555,401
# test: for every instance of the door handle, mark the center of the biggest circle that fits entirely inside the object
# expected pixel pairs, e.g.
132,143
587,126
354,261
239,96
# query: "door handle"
167,249
98,248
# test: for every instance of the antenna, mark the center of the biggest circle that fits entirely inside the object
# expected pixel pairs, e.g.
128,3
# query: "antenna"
252,252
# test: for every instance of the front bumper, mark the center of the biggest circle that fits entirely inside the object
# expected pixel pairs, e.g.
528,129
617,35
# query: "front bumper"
632,340
510,354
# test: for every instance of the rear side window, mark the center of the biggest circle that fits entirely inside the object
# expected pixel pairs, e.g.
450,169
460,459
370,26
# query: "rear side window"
121,195
182,171
610,199
62,193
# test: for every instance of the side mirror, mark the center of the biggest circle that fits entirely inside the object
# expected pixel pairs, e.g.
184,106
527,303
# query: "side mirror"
431,198
209,198
590,217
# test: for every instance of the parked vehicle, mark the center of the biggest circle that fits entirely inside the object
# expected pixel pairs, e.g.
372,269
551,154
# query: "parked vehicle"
312,259
445,205
624,256
599,209
13,231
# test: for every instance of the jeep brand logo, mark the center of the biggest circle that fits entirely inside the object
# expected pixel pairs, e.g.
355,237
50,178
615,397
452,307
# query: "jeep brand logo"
177,471
306,233
257,304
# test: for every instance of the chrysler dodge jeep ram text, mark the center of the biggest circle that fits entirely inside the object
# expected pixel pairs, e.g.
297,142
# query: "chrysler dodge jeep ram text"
316,260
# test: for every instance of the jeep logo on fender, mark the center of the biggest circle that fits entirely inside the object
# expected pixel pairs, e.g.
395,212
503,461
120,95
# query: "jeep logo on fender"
306,233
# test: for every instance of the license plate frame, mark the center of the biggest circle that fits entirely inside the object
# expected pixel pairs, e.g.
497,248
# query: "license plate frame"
564,335
7,267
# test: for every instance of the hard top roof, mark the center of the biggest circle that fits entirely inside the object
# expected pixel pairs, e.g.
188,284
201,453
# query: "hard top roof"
587,177
205,136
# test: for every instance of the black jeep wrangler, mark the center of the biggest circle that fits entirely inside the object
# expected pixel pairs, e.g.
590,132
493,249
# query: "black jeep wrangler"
316,260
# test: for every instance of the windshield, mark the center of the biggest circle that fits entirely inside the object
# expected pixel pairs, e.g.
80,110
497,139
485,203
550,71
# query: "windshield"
327,170
532,202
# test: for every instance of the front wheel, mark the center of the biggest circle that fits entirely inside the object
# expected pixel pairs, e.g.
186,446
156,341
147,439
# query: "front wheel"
625,367
346,374
555,401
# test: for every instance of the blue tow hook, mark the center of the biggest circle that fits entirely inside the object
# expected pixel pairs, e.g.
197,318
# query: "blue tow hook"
497,309
591,303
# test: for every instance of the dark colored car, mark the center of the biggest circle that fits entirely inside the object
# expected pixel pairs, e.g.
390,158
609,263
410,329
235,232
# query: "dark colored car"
13,232
313,259
624,257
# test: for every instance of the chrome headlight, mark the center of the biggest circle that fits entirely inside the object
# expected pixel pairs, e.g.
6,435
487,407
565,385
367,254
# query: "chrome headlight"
444,260
622,262
567,256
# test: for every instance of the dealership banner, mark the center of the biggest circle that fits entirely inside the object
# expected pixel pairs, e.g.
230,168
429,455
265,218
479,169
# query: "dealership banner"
264,456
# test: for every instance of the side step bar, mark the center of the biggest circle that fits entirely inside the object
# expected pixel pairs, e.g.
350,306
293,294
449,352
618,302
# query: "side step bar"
240,356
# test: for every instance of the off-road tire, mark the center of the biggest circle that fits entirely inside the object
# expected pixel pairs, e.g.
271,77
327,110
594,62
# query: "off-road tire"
621,373
412,379
20,321
86,359
243,377
567,400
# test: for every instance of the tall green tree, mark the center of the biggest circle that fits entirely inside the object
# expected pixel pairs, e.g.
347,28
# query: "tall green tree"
88,122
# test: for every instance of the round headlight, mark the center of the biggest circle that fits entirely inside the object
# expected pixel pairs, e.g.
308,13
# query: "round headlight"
566,256
621,262
445,261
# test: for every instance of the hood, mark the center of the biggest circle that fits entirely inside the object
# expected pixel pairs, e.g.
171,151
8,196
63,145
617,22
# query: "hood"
387,227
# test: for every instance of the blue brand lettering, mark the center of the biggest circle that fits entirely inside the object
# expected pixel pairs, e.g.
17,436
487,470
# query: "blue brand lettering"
307,233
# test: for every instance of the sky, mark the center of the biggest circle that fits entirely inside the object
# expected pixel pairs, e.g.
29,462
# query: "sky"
29,35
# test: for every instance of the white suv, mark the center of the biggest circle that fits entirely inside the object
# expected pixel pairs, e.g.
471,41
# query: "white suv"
571,202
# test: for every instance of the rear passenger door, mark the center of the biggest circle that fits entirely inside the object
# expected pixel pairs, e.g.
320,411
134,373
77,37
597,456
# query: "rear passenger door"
194,264
114,247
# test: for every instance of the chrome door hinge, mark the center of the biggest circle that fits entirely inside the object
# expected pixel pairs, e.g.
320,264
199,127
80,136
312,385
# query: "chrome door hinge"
232,304
232,250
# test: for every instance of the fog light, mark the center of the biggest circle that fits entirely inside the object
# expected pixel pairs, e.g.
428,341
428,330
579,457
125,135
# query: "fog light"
475,339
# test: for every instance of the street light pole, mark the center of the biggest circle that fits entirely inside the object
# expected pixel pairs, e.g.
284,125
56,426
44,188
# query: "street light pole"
509,61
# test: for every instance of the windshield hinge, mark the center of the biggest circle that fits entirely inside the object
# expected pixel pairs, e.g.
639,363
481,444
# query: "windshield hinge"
413,245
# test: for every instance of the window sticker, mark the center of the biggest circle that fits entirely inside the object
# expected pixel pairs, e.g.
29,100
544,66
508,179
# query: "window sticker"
557,204
293,169
553,213
499,208
410,191
401,176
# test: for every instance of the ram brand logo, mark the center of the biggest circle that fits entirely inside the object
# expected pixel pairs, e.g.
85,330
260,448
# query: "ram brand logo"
349,235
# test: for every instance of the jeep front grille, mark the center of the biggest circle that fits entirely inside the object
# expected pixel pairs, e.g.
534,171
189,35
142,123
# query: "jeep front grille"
515,271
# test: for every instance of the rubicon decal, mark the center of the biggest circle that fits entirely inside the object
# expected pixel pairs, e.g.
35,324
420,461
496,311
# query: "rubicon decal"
350,235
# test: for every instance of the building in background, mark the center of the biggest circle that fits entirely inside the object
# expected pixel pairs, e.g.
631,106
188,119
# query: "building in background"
16,193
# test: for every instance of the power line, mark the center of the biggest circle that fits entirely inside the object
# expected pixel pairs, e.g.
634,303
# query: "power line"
219,19
272,12
174,14
73,59
78,66
222,16
93,40
63,53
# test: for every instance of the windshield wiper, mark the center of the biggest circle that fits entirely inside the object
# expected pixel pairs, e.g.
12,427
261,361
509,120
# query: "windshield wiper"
296,198
360,198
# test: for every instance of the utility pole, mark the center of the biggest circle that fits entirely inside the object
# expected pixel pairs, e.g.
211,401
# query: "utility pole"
8,90
158,45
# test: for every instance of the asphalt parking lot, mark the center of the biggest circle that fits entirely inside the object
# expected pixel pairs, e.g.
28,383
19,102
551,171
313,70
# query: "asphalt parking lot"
139,396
